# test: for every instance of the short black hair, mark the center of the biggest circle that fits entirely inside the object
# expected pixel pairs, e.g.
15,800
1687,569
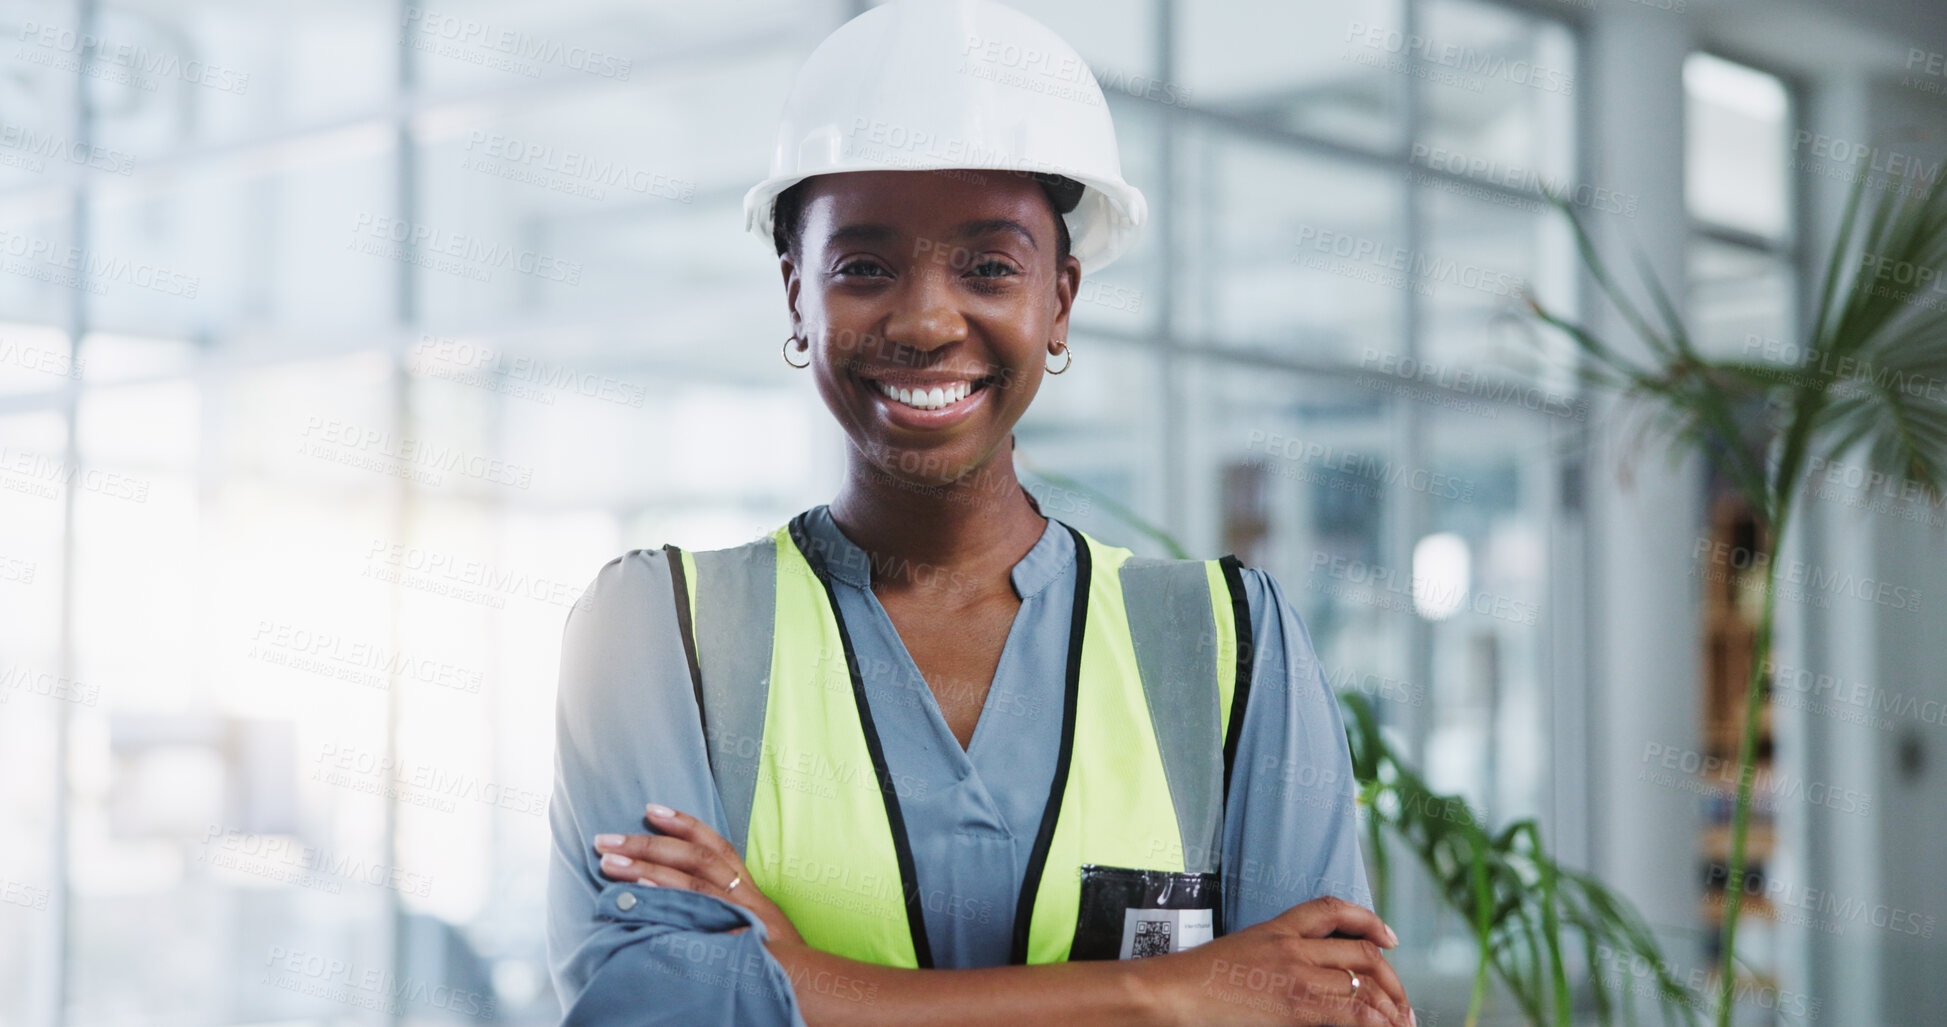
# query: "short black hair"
787,215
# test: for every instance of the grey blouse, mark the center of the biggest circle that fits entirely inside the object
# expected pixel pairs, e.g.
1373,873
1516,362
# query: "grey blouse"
627,733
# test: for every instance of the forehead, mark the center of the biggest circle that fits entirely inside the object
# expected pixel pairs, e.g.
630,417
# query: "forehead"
924,202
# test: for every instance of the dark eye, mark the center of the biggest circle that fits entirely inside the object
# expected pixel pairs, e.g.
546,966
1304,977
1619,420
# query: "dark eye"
992,269
861,267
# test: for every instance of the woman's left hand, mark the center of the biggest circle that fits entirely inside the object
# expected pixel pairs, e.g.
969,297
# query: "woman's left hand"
690,855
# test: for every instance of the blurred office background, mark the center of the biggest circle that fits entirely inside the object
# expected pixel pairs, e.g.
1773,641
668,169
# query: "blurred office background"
341,343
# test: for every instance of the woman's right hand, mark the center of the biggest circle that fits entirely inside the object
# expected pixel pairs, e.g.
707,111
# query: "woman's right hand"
1287,970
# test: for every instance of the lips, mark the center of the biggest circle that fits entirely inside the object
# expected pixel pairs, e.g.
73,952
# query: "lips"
926,402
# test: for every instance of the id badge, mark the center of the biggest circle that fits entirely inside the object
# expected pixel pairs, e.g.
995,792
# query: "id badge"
1129,913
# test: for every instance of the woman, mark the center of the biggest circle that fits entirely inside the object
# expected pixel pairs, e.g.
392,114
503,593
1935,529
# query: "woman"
924,754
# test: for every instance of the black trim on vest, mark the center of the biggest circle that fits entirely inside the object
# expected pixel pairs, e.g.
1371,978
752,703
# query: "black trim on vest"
686,629
908,873
1038,860
1240,696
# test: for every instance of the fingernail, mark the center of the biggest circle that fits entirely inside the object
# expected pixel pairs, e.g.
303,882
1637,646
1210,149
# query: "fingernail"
1390,934
1413,1018
661,812
616,859
607,841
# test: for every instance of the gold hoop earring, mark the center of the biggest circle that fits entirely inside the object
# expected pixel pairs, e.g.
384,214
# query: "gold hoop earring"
1071,357
806,346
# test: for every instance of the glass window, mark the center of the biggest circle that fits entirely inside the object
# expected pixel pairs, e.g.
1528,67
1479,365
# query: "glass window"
1288,252
171,79
1091,440
1737,132
1337,70
35,359
1499,92
1488,484
1301,476
37,692
1479,259
618,200
40,274
1741,299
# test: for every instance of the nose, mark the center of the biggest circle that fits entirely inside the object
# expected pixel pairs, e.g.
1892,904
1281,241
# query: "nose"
926,314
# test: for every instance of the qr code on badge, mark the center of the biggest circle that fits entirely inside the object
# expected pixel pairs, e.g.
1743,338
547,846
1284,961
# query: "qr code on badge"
1152,939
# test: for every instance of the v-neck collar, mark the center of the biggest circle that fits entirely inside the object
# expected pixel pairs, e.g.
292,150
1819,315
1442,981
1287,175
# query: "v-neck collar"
841,558
834,557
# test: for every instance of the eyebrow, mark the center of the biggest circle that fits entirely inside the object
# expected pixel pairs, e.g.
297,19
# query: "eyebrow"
877,233
864,234
978,228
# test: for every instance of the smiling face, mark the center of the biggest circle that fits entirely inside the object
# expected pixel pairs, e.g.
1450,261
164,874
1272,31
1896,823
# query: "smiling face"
930,300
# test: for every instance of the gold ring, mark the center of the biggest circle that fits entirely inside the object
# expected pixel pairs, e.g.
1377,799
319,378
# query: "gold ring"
732,886
1355,980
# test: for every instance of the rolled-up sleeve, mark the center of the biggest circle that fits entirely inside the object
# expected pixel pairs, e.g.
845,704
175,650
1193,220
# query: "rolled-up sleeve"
1291,823
626,734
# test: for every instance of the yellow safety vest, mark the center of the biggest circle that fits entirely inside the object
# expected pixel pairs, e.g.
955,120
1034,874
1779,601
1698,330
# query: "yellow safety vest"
1159,656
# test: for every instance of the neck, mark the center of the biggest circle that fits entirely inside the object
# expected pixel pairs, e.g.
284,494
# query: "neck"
974,529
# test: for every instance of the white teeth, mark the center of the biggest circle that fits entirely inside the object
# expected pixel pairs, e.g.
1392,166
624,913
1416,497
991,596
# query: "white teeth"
929,399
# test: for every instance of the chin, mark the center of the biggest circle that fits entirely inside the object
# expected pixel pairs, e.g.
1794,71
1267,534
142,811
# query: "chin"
927,472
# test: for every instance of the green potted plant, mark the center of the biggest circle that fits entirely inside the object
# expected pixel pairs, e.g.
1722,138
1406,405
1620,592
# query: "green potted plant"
1872,384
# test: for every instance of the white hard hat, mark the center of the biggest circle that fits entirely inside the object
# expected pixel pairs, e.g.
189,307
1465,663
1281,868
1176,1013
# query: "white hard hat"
939,84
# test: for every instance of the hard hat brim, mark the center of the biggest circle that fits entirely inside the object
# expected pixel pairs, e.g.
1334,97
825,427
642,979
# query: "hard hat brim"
1101,228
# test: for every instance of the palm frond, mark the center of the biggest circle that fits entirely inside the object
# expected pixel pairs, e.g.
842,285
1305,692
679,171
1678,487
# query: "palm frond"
1599,271
1835,261
1880,329
1519,903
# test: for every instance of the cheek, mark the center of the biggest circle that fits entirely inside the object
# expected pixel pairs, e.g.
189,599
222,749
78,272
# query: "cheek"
1019,389
841,328
837,393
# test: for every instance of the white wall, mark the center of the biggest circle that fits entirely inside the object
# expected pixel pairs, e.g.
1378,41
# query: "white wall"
1643,599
